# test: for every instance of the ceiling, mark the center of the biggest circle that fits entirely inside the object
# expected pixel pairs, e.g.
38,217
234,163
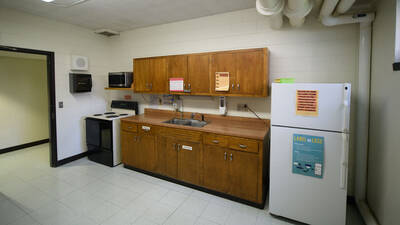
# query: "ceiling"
122,15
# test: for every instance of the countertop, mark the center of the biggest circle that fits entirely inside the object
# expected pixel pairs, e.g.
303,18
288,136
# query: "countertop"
252,128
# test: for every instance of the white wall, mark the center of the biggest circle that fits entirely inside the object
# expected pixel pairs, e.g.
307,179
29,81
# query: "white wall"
313,53
23,101
23,30
383,193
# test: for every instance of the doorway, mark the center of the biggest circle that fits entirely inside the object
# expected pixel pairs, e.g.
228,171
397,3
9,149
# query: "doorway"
51,95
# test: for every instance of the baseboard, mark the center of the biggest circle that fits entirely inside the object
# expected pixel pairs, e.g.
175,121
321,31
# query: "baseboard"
200,188
71,159
27,145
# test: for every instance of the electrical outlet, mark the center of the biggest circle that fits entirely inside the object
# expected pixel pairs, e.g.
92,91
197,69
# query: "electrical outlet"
242,107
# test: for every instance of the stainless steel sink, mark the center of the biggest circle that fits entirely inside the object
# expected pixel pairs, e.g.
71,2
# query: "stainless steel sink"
187,122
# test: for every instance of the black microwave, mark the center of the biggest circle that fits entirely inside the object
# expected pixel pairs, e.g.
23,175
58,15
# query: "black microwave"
80,82
120,79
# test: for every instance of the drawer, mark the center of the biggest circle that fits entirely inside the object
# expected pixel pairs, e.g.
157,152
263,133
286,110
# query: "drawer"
130,127
181,134
215,139
146,129
243,144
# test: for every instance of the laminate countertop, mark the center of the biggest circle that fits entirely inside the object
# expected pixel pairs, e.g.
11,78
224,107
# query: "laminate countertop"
252,128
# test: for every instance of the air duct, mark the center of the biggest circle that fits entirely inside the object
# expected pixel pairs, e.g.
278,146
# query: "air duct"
297,10
273,9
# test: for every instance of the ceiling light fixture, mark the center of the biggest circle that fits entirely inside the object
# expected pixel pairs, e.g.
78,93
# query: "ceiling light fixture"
66,5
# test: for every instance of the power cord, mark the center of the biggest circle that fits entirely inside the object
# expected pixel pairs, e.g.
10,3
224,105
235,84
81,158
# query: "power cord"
247,107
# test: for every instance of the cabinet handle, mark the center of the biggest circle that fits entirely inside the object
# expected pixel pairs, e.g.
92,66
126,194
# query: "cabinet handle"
231,157
151,86
242,146
179,147
233,86
174,145
238,87
135,138
215,141
225,154
189,86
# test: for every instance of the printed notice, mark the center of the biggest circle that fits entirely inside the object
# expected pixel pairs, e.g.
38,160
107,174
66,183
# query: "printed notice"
308,155
176,84
222,81
307,103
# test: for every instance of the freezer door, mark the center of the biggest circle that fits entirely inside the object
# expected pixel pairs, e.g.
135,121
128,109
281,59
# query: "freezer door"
308,199
333,106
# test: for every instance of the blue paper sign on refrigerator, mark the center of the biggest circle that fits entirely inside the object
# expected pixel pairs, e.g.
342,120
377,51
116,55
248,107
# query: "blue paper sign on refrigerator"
308,155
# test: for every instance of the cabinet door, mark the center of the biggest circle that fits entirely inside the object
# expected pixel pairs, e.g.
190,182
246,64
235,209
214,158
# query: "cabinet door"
128,147
142,75
223,62
250,74
177,68
171,158
215,168
243,174
147,153
188,161
158,71
199,73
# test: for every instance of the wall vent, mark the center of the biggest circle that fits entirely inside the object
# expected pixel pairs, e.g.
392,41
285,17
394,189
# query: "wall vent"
106,32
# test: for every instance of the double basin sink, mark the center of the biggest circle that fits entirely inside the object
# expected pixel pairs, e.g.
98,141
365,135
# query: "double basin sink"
187,122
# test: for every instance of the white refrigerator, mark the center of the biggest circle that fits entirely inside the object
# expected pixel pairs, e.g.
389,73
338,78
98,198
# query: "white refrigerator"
309,152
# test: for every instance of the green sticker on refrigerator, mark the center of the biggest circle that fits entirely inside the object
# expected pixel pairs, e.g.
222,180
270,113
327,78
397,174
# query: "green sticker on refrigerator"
308,155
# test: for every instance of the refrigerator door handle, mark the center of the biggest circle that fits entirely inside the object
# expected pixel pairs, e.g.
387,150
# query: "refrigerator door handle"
344,161
346,107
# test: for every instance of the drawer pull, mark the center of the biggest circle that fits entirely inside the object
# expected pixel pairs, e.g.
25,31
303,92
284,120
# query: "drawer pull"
215,141
242,146
225,155
231,157
129,127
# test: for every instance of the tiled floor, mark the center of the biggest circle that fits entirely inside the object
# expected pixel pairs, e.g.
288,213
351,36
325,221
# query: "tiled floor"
83,192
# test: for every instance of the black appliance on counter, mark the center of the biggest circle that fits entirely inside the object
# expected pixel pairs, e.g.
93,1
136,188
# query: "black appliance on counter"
79,82
120,79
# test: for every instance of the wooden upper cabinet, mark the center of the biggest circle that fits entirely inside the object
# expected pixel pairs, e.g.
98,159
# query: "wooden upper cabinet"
142,75
250,73
223,62
158,74
178,68
199,73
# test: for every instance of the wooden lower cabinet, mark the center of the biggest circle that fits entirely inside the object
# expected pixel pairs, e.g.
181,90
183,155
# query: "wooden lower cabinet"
215,172
208,160
232,172
128,148
188,161
146,153
243,175
178,159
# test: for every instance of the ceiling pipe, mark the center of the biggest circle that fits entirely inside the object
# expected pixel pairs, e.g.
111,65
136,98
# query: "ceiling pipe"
297,10
273,9
344,5
327,8
363,94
